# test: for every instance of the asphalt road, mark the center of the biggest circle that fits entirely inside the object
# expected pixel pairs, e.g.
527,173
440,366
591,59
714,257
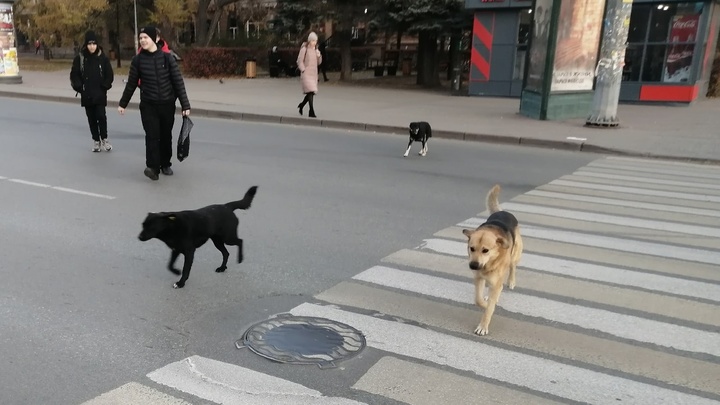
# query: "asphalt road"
86,307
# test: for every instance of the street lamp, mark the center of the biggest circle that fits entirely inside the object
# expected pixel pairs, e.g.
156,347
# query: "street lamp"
136,29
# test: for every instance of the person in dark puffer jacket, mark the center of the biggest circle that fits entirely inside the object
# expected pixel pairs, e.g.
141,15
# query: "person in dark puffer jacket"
162,84
92,76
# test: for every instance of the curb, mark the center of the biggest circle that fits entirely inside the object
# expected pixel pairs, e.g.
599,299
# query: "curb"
397,130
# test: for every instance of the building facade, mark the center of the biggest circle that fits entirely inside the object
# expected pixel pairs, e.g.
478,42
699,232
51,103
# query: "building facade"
669,56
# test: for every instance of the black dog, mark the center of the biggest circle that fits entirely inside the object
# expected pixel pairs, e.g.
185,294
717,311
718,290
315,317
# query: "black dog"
419,132
185,231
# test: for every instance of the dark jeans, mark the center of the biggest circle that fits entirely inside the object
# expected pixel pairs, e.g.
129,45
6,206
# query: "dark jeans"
158,121
97,119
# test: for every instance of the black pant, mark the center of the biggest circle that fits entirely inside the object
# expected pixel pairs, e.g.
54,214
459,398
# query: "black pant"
97,119
309,97
158,121
323,69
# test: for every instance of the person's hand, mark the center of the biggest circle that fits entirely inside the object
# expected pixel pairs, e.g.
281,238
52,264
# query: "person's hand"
121,110
186,113
317,52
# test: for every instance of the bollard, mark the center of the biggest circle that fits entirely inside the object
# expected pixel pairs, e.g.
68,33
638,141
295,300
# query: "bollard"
456,79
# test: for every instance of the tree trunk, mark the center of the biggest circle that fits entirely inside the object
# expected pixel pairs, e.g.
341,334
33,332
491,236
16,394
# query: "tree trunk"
398,44
428,74
213,26
201,33
344,37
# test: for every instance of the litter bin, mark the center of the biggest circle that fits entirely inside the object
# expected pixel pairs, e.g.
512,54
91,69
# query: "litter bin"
379,70
250,68
407,66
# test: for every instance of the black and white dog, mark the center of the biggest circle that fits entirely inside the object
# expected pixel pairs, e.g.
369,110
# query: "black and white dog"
419,132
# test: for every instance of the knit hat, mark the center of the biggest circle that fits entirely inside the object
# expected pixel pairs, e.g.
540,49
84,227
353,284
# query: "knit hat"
90,36
150,31
312,37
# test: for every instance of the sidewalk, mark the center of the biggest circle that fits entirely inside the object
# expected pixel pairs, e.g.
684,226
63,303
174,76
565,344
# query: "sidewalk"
686,133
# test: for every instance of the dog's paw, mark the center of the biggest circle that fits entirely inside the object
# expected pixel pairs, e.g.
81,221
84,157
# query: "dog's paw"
511,285
405,155
178,285
220,269
482,331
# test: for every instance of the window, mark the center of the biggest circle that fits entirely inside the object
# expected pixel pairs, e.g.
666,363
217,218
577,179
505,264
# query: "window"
638,23
522,44
661,42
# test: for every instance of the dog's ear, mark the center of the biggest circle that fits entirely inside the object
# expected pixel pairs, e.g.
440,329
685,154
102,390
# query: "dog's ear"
167,215
503,242
467,232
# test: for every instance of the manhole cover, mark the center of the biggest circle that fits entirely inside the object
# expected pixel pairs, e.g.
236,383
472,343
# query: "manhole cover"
303,340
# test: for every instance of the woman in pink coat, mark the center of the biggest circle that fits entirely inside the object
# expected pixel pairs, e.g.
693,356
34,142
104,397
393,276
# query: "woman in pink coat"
308,61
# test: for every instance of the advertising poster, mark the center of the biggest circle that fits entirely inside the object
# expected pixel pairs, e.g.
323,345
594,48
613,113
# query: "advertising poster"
8,52
679,57
578,42
538,44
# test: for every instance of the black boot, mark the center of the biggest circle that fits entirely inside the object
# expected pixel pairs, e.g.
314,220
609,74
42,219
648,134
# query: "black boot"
311,96
302,105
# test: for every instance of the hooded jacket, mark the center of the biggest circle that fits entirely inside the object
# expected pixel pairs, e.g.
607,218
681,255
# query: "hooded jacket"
92,76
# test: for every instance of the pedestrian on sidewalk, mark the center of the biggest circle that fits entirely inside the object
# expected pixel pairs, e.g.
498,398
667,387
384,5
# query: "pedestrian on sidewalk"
308,61
323,57
162,84
92,76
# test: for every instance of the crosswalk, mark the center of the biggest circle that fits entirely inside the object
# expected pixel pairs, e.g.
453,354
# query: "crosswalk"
617,301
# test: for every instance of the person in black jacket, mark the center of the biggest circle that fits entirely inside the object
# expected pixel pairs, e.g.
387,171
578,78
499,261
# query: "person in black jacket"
162,84
92,76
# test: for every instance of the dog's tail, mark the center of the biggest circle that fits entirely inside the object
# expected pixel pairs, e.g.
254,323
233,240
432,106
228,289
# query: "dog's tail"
245,202
493,205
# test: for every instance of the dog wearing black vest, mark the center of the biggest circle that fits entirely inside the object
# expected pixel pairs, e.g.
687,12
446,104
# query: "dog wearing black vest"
419,132
494,250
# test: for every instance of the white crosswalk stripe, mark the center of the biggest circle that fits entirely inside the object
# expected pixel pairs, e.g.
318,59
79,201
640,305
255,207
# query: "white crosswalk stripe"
617,301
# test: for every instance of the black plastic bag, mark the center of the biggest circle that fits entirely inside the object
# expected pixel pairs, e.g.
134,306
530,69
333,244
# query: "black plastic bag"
183,146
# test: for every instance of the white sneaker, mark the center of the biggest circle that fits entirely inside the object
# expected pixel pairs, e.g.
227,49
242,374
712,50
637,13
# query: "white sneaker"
106,145
96,146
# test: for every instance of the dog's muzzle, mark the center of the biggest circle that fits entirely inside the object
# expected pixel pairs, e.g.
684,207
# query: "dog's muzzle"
475,266
143,237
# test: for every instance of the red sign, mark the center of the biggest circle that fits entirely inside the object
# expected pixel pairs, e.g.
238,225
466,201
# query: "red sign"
684,28
679,57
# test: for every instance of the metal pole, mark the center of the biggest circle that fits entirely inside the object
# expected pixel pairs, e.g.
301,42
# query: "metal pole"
610,65
136,27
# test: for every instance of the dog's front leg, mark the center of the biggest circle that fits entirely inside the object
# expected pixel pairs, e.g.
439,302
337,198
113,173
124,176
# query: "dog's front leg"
189,256
484,326
423,151
171,264
511,276
480,299
408,148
